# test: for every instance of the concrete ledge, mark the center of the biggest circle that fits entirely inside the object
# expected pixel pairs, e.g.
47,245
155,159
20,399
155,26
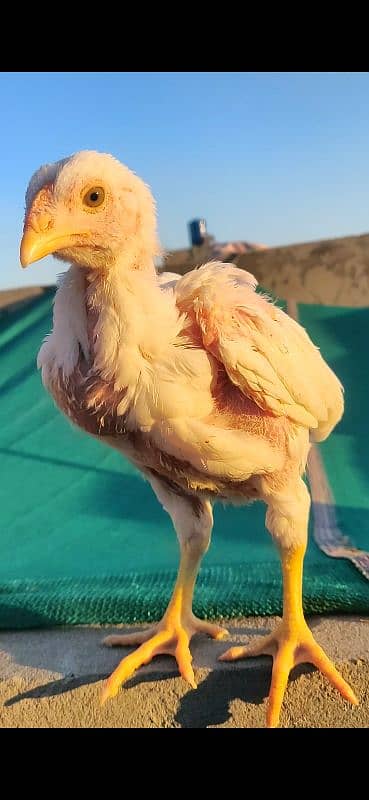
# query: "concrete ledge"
53,678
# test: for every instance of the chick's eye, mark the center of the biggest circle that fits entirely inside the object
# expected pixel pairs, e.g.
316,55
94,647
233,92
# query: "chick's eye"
94,197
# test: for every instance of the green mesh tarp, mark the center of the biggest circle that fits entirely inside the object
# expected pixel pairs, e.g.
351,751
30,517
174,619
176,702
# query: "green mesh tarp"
84,540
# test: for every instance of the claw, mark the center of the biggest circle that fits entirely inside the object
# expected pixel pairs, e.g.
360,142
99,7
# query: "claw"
109,691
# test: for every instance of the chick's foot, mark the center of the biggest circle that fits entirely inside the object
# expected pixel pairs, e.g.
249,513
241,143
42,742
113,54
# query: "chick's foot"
289,645
171,636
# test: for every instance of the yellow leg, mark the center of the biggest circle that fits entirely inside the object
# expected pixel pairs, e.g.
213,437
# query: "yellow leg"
292,642
173,633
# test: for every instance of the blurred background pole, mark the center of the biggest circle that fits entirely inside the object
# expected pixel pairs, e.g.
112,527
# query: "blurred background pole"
200,241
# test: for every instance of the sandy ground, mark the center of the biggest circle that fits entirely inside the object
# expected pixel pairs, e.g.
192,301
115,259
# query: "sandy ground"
53,679
222,700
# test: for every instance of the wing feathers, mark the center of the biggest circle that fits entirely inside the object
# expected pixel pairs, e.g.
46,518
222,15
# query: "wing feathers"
268,355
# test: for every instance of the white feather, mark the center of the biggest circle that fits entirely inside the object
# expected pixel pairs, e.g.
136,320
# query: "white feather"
61,347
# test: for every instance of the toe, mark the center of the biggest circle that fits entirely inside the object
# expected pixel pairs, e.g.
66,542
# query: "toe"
282,665
128,639
131,663
215,631
184,659
233,654
314,654
262,647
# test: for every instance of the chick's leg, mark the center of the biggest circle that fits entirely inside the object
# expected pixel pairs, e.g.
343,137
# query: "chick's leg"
193,522
292,642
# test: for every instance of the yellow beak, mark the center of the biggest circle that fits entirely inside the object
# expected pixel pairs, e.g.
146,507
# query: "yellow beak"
36,245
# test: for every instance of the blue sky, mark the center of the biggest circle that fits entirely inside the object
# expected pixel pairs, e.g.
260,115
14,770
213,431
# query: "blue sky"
268,157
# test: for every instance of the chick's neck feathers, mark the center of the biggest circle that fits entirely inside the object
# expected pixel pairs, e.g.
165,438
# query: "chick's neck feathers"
121,320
